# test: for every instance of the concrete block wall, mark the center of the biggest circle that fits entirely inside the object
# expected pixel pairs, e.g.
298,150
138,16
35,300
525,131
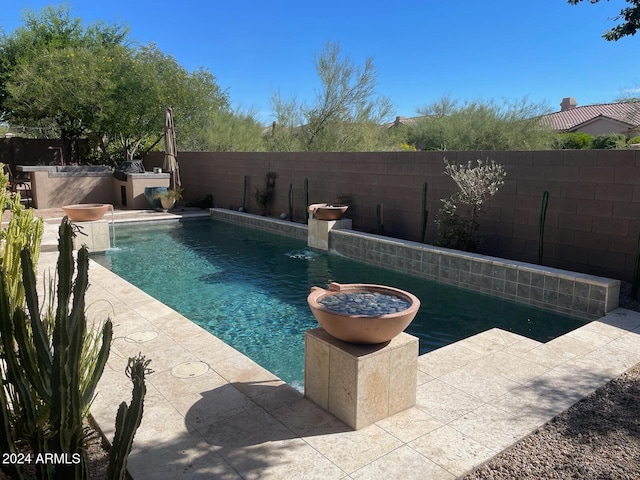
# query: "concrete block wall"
593,216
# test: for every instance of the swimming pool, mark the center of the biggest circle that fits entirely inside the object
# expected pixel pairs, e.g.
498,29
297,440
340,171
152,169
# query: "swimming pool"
249,288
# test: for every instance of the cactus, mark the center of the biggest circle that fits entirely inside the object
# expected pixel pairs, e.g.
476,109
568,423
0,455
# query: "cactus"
541,220
291,202
128,418
380,219
424,212
45,373
244,194
23,231
306,198
635,284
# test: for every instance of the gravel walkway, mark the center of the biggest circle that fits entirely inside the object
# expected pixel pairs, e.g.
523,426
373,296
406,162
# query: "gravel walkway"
597,438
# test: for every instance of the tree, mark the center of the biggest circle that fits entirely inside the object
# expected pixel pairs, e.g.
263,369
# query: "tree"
478,125
50,29
630,24
76,82
345,116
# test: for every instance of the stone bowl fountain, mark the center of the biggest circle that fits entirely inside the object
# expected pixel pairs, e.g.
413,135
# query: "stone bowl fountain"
327,211
86,212
361,312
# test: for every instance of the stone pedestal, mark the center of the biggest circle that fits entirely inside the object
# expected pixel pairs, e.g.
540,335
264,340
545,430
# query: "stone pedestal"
95,235
360,384
318,231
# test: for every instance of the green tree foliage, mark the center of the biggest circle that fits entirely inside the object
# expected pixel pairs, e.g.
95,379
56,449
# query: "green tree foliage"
90,82
345,115
629,18
609,141
479,125
572,141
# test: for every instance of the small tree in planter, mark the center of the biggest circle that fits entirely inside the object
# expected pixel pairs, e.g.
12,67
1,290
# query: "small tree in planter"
476,183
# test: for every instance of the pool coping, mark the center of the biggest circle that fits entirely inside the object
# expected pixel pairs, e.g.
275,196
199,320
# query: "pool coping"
475,398
571,293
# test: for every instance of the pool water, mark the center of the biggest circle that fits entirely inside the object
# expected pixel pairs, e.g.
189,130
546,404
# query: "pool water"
249,288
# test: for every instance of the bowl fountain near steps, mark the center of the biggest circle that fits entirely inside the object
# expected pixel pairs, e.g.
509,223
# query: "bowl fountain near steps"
377,321
86,212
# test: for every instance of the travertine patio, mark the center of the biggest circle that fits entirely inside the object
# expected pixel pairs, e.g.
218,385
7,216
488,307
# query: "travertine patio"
211,412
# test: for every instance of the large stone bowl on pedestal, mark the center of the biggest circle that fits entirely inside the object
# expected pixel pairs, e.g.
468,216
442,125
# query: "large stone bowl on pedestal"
343,317
327,211
86,212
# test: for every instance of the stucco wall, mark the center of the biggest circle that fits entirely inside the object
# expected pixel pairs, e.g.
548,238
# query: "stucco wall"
593,216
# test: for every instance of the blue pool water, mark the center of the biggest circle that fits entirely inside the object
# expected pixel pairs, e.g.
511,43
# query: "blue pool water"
249,288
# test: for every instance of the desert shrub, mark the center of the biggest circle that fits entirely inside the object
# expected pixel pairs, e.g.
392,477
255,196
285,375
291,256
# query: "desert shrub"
572,141
609,141
476,183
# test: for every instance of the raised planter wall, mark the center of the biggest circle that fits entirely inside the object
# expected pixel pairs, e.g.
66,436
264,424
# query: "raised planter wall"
571,293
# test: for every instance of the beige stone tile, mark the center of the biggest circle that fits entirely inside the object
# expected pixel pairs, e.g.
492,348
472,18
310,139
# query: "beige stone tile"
354,449
522,347
189,458
445,359
403,463
548,356
625,319
492,427
444,402
305,419
572,344
409,425
491,341
256,445
213,351
479,380
272,396
423,378
241,369
452,450
509,366
538,401
151,309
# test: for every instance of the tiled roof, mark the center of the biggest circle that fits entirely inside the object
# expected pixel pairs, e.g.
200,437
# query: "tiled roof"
567,120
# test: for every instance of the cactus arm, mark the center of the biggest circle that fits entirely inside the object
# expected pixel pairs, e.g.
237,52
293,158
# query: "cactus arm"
128,419
101,361
7,443
40,338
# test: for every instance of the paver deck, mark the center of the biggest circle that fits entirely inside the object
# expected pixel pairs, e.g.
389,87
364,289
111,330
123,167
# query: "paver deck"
211,412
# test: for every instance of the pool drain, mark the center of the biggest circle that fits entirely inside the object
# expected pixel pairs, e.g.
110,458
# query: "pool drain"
141,337
189,369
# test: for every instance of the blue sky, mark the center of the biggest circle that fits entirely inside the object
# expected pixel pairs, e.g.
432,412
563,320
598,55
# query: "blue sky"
543,50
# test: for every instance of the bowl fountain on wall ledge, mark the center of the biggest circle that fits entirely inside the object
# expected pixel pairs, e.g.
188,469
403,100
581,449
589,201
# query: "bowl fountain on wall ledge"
327,211
86,212
363,312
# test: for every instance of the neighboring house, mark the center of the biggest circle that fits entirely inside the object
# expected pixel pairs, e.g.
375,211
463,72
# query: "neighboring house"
622,117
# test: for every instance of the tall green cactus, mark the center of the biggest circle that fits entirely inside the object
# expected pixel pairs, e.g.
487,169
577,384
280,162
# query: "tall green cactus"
291,202
128,418
541,221
424,213
23,231
306,198
50,394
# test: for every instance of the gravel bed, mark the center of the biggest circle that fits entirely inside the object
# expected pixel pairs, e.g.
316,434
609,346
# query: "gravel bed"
597,438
